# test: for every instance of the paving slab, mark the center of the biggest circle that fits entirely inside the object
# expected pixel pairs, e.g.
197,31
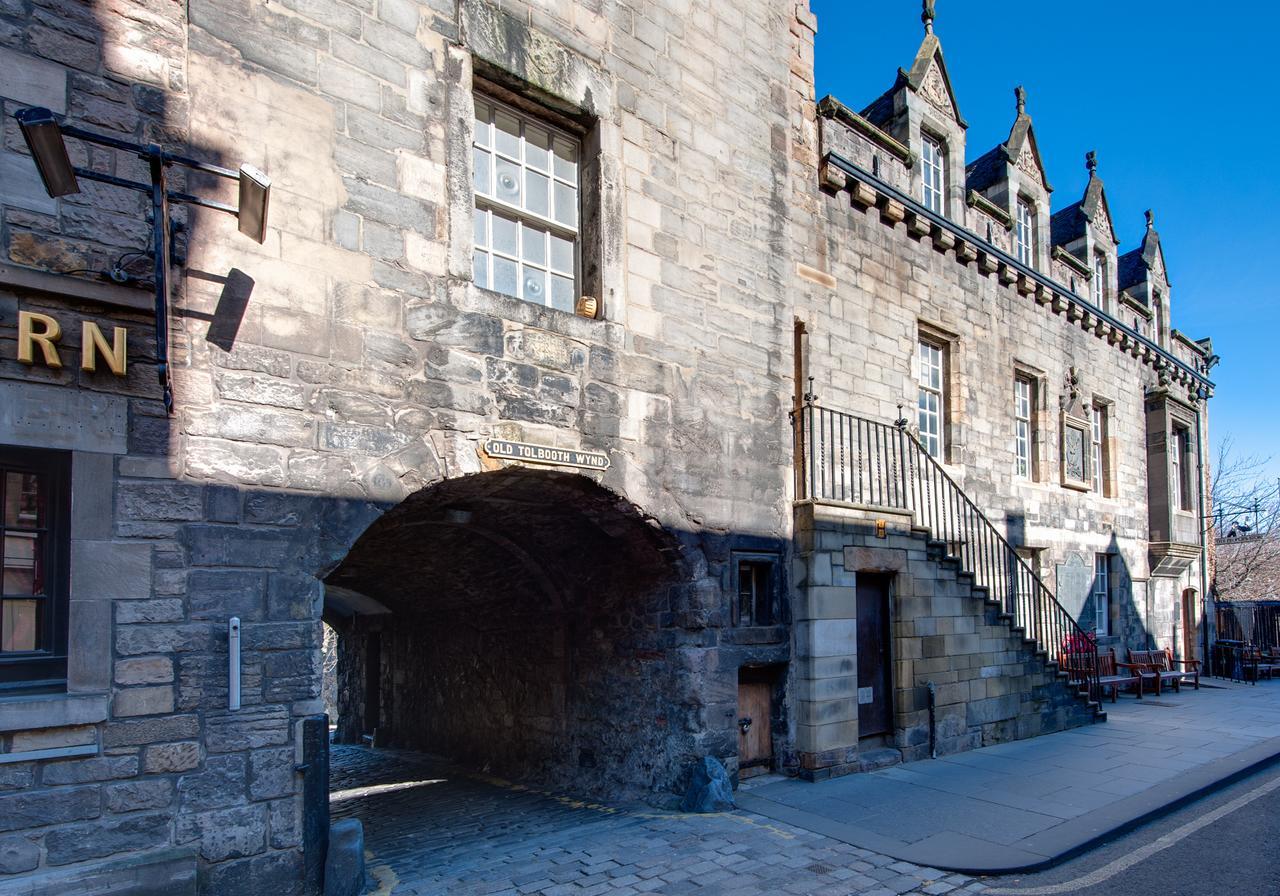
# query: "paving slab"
1029,804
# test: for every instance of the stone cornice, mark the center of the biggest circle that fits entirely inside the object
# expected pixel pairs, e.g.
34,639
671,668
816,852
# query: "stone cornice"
1127,298
75,288
1062,255
867,190
986,206
830,107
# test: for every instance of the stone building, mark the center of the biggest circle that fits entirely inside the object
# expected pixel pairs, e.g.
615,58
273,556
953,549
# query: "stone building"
517,394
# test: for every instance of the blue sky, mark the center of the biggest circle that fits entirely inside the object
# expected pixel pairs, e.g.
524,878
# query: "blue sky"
1179,100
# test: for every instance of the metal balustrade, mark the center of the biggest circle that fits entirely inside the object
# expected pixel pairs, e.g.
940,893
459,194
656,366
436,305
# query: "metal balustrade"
850,460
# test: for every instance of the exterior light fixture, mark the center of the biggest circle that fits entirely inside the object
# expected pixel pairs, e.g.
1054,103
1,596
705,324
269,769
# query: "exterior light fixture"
255,194
45,138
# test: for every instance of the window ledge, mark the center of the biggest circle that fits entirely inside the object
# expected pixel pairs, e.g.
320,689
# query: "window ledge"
24,713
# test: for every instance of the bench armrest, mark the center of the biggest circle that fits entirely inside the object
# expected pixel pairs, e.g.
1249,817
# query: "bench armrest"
1141,667
1194,664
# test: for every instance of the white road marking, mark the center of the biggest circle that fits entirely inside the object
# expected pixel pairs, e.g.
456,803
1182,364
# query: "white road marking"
1138,855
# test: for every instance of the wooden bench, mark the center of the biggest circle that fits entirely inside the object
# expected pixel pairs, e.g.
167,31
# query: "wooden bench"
1159,665
1114,674
1111,673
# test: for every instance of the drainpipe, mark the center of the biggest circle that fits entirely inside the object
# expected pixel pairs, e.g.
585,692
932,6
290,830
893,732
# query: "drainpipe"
1204,542
933,727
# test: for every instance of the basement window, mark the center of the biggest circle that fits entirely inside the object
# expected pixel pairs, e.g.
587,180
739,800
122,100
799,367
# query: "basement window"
757,590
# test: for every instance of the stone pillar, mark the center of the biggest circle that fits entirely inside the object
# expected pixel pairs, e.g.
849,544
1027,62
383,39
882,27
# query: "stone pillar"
826,639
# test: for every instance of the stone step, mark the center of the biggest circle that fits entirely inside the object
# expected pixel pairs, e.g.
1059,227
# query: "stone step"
876,759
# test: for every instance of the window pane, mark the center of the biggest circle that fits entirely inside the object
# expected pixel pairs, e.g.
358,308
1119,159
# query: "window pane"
480,269
507,175
566,205
481,227
18,625
566,161
22,564
536,152
562,293
533,282
535,199
505,276
561,255
506,235
484,131
507,134
533,245
480,171
23,503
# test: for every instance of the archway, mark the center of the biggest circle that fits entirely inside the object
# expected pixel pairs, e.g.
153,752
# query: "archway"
513,620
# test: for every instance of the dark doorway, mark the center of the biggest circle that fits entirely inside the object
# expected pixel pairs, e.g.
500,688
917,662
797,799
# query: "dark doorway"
875,681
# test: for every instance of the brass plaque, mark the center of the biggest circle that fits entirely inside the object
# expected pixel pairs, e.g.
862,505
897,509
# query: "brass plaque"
542,454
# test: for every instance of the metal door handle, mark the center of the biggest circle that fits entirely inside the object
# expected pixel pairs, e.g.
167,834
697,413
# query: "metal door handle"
744,724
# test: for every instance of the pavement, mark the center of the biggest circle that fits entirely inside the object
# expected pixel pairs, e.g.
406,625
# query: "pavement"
1032,803
926,828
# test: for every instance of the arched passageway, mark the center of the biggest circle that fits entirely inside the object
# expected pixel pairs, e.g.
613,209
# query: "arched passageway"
514,620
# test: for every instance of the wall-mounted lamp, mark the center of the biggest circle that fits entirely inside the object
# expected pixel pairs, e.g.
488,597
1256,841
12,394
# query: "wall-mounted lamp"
45,137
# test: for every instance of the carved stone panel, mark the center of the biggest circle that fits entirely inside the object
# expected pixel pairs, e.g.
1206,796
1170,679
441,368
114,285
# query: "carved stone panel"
934,90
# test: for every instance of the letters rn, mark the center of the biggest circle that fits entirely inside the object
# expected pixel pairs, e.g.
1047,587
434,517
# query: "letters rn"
43,332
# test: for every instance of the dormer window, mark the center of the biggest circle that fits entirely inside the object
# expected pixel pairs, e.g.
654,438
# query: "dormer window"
1100,280
1024,232
934,172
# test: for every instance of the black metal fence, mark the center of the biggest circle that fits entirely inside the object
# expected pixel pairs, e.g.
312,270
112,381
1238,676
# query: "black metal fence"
847,459
1250,622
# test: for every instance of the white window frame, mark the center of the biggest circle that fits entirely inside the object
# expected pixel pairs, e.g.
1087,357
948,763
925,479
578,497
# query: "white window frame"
1176,461
933,174
1098,432
1100,280
931,404
1023,434
1102,594
1024,232
542,261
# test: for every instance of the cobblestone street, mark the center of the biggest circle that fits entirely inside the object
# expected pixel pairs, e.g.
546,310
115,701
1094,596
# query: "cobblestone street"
431,828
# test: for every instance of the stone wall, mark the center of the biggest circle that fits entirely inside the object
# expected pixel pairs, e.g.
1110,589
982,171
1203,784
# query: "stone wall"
350,362
991,685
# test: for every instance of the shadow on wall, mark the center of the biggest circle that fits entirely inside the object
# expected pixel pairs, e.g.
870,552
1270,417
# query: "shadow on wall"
529,622
1099,595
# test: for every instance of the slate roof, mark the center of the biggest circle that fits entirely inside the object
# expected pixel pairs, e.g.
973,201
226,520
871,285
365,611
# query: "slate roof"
985,171
881,108
1067,224
1131,270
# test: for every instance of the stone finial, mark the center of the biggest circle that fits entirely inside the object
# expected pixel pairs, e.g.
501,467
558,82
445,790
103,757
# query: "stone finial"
1151,219
1020,94
1091,161
928,15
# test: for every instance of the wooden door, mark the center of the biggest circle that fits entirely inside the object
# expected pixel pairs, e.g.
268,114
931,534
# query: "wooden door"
875,680
755,745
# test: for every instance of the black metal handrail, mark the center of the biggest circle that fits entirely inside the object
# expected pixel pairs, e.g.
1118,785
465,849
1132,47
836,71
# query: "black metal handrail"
847,459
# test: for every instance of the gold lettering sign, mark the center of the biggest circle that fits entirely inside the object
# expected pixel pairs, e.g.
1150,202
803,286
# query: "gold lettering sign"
92,342
543,454
40,331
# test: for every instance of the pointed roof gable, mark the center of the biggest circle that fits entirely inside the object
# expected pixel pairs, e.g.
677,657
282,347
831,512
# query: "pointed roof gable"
1021,150
1136,266
1094,204
928,78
